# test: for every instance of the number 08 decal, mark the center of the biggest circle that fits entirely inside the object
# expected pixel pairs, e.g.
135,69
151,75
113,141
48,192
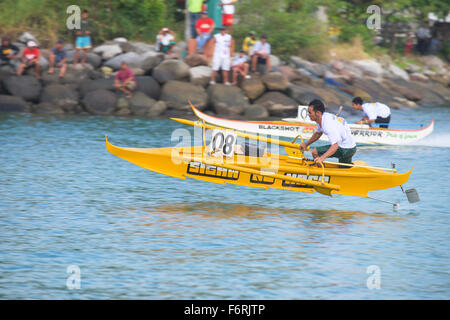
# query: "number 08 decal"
222,142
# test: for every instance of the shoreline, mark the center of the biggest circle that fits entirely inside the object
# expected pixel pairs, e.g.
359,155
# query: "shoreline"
166,82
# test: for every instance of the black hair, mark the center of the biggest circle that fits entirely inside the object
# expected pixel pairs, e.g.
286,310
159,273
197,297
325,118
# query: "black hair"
358,100
317,105
85,11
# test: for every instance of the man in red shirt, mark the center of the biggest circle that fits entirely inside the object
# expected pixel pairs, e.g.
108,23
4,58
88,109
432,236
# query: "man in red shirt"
204,27
30,58
125,80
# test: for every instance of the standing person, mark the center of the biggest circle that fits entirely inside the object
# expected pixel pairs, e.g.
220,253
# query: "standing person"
30,58
195,7
205,26
373,112
423,35
409,43
261,54
221,58
165,40
249,42
58,59
240,66
125,80
83,41
342,144
8,52
227,14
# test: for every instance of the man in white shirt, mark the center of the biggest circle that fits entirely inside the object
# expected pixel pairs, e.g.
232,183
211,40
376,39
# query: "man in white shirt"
165,40
342,145
373,112
261,54
227,13
222,56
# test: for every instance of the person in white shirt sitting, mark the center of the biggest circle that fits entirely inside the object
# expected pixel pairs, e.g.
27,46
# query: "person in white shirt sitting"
222,56
240,66
373,112
165,40
342,144
261,54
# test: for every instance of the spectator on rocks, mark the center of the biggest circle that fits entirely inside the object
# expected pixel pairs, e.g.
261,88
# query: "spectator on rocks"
423,36
58,59
409,43
222,56
165,40
205,26
227,14
240,66
249,42
30,58
125,80
83,41
261,54
8,53
195,7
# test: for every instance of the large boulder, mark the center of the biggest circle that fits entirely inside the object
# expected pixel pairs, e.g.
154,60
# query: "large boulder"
228,100
141,47
253,87
60,96
100,102
357,92
369,67
177,93
398,72
256,112
140,103
279,110
157,109
108,51
149,86
99,84
47,108
195,59
132,59
13,104
171,70
26,87
406,90
275,97
275,81
200,75
78,74
26,36
150,60
300,94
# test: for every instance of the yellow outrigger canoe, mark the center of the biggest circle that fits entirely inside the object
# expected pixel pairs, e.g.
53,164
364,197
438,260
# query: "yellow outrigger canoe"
291,172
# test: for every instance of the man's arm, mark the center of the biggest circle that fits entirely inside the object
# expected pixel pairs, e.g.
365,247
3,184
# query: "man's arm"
333,148
316,136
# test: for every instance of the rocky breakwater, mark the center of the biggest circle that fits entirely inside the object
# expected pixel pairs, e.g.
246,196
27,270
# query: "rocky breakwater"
167,82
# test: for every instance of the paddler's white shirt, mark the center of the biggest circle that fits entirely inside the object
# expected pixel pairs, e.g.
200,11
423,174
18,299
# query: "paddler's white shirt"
377,109
337,130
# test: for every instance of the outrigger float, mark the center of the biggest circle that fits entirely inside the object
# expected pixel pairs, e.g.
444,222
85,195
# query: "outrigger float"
226,162
302,124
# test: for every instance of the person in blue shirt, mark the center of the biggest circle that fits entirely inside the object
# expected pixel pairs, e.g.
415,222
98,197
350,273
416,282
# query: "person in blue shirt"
261,54
58,59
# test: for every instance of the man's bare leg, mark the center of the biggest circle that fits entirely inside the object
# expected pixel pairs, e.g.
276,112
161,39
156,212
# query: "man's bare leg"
37,67
62,72
75,59
52,63
21,68
225,76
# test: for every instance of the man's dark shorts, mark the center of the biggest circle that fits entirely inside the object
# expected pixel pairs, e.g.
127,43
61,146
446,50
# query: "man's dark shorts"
343,154
262,60
383,120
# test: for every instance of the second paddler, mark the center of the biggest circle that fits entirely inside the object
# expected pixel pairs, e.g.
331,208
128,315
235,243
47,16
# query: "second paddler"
342,144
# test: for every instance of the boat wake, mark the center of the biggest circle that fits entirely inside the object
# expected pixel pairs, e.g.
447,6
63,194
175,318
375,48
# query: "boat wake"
439,141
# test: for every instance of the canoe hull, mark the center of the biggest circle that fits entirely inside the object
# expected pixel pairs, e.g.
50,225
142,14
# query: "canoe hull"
260,172
363,134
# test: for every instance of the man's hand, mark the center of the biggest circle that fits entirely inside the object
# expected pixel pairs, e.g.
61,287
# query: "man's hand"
303,146
320,159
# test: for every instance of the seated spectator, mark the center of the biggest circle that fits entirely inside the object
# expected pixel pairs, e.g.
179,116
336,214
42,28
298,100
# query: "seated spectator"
8,52
261,54
125,80
227,14
240,66
249,42
58,59
204,27
165,40
221,58
30,58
